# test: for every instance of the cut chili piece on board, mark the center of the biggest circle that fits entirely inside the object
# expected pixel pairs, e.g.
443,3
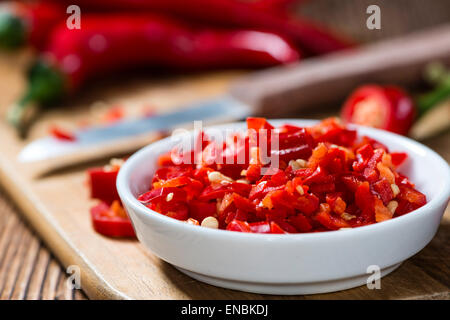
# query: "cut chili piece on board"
102,184
62,134
111,221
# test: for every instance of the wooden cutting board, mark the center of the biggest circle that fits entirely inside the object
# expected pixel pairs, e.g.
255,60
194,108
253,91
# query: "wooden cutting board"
57,204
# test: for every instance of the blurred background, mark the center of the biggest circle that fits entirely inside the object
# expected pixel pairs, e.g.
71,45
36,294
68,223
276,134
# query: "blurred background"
102,62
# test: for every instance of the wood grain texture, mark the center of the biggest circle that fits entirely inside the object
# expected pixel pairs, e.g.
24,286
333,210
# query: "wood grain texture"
398,17
27,269
57,207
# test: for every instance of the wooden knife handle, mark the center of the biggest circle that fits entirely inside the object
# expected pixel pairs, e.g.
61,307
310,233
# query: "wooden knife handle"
327,79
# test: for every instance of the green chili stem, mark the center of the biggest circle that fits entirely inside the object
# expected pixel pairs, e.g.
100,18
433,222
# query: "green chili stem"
12,31
46,85
440,93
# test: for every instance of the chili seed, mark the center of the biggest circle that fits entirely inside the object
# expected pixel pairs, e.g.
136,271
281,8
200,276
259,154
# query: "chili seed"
392,206
302,163
294,164
210,222
192,221
217,177
300,190
347,216
395,189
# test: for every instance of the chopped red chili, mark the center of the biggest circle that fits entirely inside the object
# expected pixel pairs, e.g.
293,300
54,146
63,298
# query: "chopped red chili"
111,220
109,216
338,180
102,183
61,134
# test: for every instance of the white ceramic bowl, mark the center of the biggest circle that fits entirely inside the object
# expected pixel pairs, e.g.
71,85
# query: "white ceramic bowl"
291,263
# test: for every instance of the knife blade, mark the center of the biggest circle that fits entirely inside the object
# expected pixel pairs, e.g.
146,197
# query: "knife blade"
222,108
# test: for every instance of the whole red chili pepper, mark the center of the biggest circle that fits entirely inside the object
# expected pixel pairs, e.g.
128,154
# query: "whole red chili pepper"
28,23
108,43
32,23
231,13
270,5
384,107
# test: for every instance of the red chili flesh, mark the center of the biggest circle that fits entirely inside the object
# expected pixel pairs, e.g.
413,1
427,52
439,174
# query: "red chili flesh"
108,43
111,221
308,36
108,217
62,134
340,180
102,184
39,19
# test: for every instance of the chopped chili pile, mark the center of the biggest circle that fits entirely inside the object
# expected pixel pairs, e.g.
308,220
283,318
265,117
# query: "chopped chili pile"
327,178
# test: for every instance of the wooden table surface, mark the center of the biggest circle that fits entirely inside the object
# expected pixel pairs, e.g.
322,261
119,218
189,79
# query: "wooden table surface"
29,271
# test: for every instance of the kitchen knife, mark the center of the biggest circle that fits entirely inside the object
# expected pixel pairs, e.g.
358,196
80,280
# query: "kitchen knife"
210,111
315,81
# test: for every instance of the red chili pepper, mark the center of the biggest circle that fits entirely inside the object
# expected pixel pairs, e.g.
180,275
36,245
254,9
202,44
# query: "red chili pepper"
199,210
102,184
365,201
383,107
231,13
111,221
300,222
381,212
383,188
218,191
108,217
135,5
114,114
260,227
275,228
159,195
28,23
339,186
258,124
398,158
108,43
32,22
330,221
62,134
240,226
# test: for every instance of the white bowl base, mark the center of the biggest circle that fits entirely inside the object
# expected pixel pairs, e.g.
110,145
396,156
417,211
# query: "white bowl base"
288,288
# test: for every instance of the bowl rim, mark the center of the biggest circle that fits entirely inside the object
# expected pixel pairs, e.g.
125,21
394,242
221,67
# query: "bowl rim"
123,188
